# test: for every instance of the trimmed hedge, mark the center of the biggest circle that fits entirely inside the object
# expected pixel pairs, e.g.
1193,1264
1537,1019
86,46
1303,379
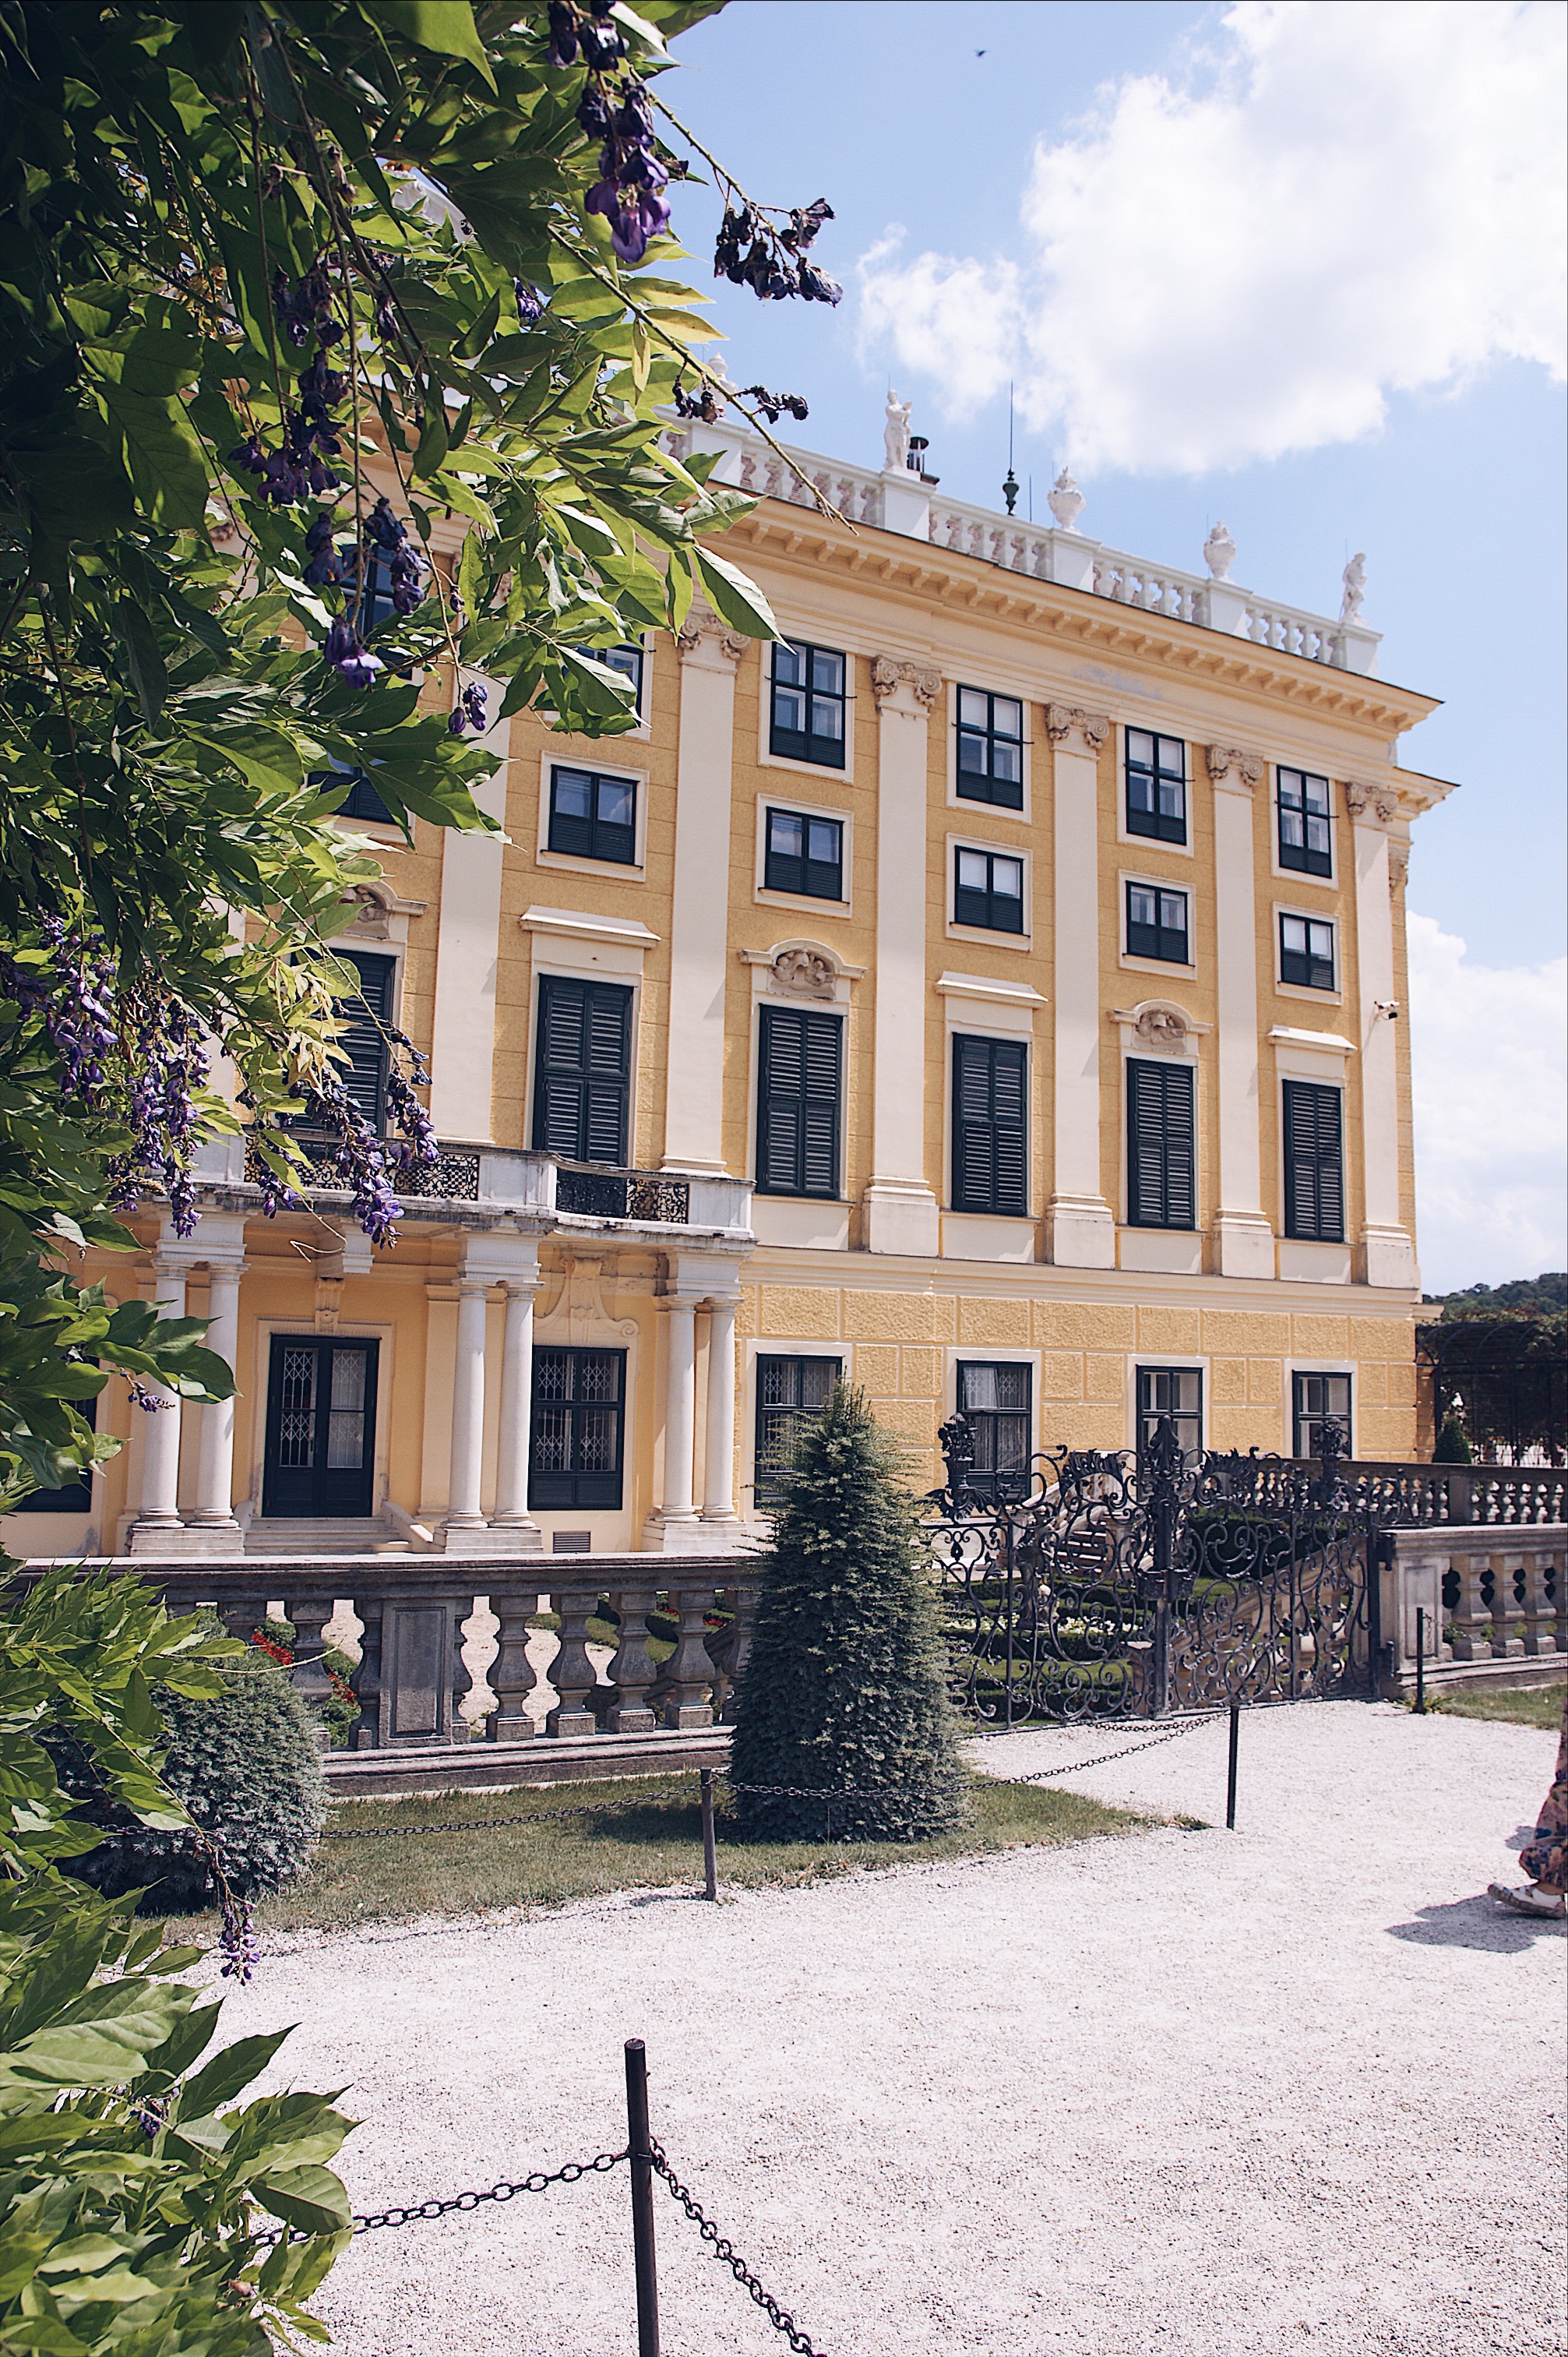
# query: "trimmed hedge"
845,1685
246,1764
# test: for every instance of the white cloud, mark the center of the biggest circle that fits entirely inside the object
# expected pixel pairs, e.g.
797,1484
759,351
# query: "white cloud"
1344,199
1491,1113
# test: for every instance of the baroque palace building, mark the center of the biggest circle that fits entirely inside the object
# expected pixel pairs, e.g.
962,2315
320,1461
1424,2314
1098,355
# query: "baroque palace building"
993,994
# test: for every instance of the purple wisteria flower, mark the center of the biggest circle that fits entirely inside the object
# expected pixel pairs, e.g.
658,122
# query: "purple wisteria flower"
471,711
387,537
530,303
348,656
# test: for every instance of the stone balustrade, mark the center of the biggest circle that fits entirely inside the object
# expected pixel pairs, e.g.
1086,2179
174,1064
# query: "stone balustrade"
902,501
1488,1598
427,1670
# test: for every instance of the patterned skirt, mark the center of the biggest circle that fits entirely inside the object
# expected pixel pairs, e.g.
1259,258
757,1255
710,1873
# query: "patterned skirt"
1546,1857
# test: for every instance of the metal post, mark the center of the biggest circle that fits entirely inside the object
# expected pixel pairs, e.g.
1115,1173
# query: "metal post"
1421,1661
639,2148
1230,1771
709,1850
1008,1638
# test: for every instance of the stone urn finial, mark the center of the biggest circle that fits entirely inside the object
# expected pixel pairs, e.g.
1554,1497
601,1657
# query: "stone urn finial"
1065,501
1220,550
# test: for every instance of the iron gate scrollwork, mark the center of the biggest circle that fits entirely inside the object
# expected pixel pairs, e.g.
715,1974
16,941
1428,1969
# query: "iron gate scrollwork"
1113,1585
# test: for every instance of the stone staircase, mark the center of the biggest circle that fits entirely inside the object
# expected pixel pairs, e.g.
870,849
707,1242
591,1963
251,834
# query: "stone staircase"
325,1537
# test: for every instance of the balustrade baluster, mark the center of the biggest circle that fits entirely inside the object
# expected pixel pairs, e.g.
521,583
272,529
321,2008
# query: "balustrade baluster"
371,1732
572,1673
1509,1590
310,1615
513,1676
634,1674
691,1672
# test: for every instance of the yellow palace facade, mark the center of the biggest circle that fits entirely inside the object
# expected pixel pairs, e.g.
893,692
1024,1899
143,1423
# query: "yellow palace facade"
994,993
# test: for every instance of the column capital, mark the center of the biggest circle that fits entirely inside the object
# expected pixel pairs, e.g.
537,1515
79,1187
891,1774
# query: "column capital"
908,687
1066,720
705,638
1369,806
1227,766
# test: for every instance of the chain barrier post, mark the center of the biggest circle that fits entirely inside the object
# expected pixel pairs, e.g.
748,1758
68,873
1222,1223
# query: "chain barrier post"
1420,1706
640,2152
710,1847
1230,1767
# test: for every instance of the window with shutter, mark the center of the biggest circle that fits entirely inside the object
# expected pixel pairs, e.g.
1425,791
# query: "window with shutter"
990,1126
581,1083
1314,1160
1161,1149
798,1101
364,1041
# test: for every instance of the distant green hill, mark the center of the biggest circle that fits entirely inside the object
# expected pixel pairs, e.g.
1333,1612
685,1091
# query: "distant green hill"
1522,1297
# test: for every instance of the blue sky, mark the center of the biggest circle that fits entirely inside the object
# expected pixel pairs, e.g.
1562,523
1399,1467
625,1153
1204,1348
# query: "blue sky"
1296,267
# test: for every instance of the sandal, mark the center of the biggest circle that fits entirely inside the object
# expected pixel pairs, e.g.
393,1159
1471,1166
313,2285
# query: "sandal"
1529,1900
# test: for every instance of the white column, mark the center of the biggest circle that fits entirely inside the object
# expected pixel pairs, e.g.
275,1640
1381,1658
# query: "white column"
1081,1226
1388,1251
673,1528
159,1512
516,1412
463,1039
718,1469
699,932
467,1409
214,1509
1244,1233
901,1211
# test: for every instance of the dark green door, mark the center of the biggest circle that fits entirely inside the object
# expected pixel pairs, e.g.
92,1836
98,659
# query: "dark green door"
321,1425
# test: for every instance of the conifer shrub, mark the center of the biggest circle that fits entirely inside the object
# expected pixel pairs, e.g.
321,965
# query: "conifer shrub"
246,1764
845,1686
1453,1443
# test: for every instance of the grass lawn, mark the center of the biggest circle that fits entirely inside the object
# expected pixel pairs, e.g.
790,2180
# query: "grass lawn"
648,1836
1521,1706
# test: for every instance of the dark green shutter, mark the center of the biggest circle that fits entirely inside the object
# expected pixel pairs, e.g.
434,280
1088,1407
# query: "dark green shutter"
582,1084
798,1101
1313,1158
364,1041
991,1112
1161,1147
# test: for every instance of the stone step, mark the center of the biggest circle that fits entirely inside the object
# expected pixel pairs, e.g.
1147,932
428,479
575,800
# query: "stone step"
401,1769
328,1535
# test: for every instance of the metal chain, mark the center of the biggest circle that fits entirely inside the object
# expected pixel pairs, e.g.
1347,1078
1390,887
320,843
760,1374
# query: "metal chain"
807,1792
538,2183
1077,1767
778,2318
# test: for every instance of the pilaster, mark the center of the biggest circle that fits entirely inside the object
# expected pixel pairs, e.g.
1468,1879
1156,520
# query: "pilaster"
902,1214
693,1087
463,1039
1387,1253
1243,1235
1081,1226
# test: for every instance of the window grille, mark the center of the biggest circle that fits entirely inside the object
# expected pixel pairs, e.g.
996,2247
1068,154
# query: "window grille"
1176,1391
994,1396
1317,1400
790,1393
579,1425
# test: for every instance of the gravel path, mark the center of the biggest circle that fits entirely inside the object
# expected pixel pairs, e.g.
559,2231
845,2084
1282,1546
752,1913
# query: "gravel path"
1183,2092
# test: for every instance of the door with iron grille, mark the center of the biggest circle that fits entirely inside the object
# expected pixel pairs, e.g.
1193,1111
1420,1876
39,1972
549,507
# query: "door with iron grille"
321,1425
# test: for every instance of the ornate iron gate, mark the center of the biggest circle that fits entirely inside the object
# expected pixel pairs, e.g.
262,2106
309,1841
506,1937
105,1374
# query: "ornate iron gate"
1111,1586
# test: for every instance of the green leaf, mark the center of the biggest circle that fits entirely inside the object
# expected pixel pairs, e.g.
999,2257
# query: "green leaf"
444,27
228,2074
736,599
311,2199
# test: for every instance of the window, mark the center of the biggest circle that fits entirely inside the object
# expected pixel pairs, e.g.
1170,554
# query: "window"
1161,1154
1306,951
990,1126
592,817
1304,810
1317,1400
1156,924
628,661
808,712
376,605
990,749
1176,1391
995,1400
364,1041
579,1422
804,854
789,1392
361,800
1156,786
1314,1181
582,1084
988,890
72,1497
798,1103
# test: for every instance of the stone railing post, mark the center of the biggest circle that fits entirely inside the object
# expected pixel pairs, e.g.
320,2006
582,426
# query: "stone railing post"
691,1669
631,1670
513,1675
310,1614
572,1673
371,1731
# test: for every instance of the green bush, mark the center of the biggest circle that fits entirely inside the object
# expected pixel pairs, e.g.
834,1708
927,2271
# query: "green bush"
244,1762
845,1688
1453,1443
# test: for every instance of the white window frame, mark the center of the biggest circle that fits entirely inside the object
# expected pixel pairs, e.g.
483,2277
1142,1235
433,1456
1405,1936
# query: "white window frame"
965,803
1156,883
803,901
1147,843
568,861
805,632
1301,990
955,932
1293,876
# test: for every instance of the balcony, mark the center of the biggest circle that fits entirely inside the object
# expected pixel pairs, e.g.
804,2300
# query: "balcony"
538,1188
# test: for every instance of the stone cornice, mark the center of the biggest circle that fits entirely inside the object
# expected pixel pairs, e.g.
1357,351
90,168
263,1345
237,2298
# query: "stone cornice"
1100,626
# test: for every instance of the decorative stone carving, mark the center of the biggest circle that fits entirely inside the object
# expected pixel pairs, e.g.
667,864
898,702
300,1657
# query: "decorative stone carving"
1160,1027
371,915
888,676
806,974
1219,551
1355,581
1399,867
1222,760
895,431
702,628
1065,501
1358,800
1062,719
